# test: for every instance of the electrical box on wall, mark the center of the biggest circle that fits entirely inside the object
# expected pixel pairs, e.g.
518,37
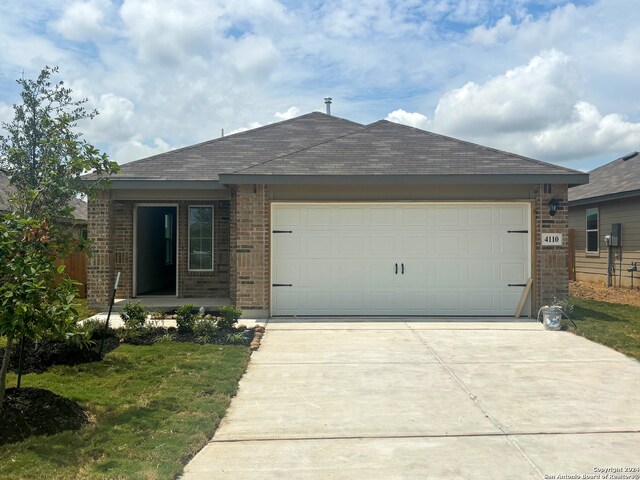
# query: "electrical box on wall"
616,235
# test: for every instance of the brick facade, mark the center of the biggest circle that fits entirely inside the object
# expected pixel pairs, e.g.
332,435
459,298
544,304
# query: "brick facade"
100,270
111,231
551,272
242,248
250,247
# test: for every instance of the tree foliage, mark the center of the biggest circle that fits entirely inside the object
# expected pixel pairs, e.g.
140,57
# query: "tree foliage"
43,152
35,299
45,157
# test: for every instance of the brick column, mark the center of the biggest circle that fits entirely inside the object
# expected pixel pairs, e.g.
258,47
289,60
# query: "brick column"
122,238
249,256
552,272
100,269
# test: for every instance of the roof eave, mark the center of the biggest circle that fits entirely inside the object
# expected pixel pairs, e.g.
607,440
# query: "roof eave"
470,179
151,184
604,198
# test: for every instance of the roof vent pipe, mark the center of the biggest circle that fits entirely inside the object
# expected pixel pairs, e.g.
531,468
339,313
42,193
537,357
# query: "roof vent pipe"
327,102
629,156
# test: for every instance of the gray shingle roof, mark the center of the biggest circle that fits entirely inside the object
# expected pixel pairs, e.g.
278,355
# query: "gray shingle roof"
205,161
617,177
79,206
386,148
326,146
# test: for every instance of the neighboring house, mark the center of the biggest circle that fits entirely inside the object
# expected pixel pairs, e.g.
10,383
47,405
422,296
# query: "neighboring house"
611,197
76,263
319,215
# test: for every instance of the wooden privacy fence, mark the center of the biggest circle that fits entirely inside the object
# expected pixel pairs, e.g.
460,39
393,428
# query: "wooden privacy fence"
76,267
571,257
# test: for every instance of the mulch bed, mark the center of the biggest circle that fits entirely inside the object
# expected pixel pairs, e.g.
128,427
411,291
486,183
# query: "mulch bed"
149,336
597,291
38,357
35,411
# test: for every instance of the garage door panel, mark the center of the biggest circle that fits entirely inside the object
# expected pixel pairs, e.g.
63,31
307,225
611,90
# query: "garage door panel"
514,244
480,216
315,245
319,217
458,259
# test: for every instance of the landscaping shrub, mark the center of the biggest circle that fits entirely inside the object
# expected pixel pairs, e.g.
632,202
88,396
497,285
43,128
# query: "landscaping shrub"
206,328
240,338
228,317
134,314
185,318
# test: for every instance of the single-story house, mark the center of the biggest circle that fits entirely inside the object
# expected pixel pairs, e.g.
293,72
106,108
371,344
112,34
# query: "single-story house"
605,218
319,215
75,263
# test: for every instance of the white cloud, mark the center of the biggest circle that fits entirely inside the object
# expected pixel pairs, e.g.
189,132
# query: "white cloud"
588,131
536,110
413,119
135,149
83,20
525,98
289,113
253,55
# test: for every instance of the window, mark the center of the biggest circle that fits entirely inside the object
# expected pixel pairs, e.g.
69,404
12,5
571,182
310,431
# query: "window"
201,238
168,239
592,230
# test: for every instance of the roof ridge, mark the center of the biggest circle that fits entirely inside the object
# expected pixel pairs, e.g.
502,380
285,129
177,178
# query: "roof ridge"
237,134
457,140
363,127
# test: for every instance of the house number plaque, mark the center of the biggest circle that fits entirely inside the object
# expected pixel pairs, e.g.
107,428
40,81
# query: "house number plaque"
550,239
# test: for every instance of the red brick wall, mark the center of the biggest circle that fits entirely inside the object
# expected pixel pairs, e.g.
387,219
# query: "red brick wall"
551,262
250,247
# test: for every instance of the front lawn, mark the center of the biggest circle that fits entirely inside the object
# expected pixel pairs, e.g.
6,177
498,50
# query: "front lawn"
616,326
152,409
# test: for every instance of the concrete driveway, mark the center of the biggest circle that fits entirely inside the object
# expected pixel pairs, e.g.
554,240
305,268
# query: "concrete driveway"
416,400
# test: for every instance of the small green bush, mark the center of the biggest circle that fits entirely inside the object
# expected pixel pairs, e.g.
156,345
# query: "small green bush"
185,318
134,315
228,317
206,328
239,338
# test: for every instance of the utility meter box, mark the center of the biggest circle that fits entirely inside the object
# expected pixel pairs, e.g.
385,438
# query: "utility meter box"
616,235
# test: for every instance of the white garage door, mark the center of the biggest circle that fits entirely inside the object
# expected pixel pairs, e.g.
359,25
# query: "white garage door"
399,259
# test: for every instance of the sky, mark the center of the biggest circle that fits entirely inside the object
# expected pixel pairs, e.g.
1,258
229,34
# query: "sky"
554,80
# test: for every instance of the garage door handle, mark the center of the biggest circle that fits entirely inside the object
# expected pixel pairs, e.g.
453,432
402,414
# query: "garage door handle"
403,268
396,268
517,231
282,231
282,285
517,285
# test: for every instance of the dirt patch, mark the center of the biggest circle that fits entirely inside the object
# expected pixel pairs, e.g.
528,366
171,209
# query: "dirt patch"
597,291
38,357
34,411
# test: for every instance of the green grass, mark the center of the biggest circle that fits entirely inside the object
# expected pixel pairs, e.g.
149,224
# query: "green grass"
616,326
152,409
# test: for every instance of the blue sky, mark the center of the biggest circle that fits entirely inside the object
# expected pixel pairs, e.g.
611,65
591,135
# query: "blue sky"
553,80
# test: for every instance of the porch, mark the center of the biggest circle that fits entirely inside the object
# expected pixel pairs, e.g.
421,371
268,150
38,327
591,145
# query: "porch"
166,302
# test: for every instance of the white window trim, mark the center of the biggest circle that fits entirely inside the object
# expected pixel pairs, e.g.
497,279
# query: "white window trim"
587,230
189,240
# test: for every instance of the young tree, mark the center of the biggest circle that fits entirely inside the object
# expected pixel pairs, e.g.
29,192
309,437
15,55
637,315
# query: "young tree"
35,300
45,156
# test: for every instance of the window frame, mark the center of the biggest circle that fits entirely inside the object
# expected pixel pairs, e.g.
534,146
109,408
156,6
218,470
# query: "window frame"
587,230
189,239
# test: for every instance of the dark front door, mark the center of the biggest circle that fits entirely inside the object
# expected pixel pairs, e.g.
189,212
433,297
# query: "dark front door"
156,247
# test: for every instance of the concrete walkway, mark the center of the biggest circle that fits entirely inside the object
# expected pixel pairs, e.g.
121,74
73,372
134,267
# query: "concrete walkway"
416,400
